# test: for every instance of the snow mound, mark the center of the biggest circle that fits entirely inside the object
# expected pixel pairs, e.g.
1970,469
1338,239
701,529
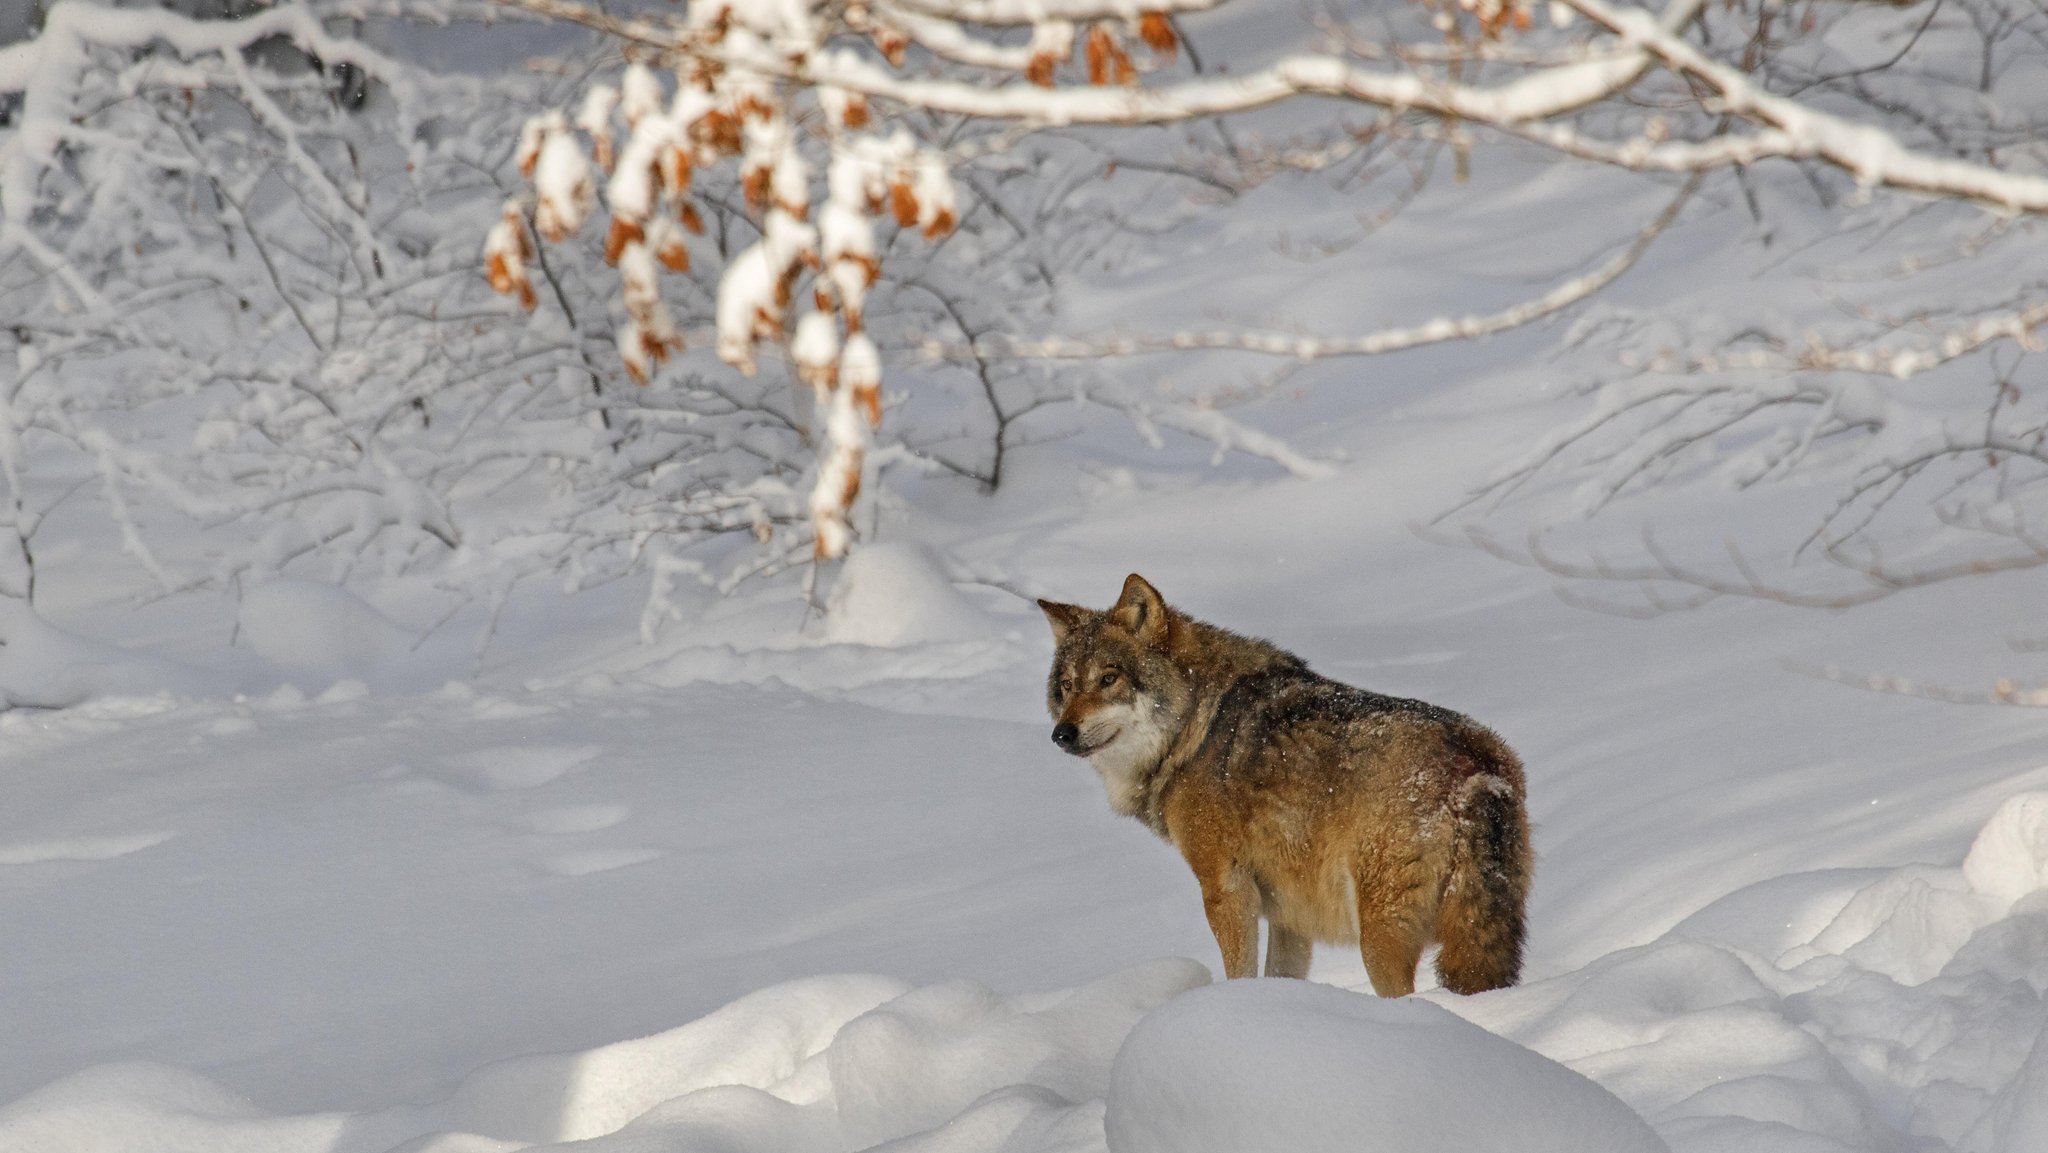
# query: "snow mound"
2009,859
760,1042
140,1105
1828,1012
812,1066
317,628
44,666
891,595
1279,1064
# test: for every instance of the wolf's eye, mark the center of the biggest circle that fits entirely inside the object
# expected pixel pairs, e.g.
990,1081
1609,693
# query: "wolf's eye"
1066,685
1108,679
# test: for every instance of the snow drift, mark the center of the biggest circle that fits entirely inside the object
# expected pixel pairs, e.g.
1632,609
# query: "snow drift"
1853,1010
1292,1065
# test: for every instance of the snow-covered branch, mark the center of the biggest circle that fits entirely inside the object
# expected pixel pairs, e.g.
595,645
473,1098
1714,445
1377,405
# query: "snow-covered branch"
1531,105
1473,326
1875,157
1895,124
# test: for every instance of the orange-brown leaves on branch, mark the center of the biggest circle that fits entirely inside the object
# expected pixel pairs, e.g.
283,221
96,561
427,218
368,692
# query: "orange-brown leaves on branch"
623,232
1052,41
671,252
640,350
515,223
531,137
1495,17
754,183
785,293
1099,44
1157,32
506,251
498,270
903,202
718,131
851,491
656,348
673,166
506,279
1108,63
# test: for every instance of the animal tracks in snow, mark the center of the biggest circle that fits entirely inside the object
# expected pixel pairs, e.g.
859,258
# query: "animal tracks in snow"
80,848
512,767
572,820
503,775
567,820
584,862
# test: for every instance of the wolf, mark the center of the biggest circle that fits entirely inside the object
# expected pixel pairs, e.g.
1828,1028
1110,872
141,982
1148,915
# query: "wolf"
1338,814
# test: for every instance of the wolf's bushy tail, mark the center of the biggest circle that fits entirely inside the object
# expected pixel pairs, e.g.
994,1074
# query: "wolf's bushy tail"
1481,920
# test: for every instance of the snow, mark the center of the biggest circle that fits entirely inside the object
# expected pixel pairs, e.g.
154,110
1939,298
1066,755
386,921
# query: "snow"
2009,859
562,181
1834,1010
892,595
325,632
302,892
595,115
1717,1044
630,192
640,94
814,349
1278,1064
749,866
602,892
45,666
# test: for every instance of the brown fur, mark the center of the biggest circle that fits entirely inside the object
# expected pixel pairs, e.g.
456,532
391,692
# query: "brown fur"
1337,814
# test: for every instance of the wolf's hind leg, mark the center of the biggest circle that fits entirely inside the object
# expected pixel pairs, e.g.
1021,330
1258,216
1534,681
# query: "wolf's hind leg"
1391,950
1287,952
1391,945
1481,922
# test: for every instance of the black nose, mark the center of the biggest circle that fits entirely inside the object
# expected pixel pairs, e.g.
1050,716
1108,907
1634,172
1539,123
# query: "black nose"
1066,736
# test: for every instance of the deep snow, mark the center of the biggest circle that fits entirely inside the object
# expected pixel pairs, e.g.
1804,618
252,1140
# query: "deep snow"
340,915
310,875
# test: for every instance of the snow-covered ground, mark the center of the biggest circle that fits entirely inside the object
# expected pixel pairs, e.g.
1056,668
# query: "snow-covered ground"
607,890
286,878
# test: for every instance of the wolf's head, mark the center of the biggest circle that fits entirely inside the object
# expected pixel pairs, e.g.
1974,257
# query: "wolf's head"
1115,694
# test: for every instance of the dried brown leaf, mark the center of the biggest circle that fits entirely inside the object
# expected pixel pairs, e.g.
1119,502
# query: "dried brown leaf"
623,232
1156,30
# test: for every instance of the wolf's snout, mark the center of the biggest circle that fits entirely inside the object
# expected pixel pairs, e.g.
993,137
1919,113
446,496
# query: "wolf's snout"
1066,736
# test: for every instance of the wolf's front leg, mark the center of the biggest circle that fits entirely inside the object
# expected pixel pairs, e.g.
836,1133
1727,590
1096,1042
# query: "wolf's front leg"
1232,902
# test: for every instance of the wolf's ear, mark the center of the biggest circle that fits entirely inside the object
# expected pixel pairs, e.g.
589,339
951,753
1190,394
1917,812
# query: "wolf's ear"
1062,618
1141,611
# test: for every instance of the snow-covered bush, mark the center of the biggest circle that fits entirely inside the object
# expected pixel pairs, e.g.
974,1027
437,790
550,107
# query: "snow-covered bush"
239,246
244,320
1866,361
715,113
919,235
238,264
